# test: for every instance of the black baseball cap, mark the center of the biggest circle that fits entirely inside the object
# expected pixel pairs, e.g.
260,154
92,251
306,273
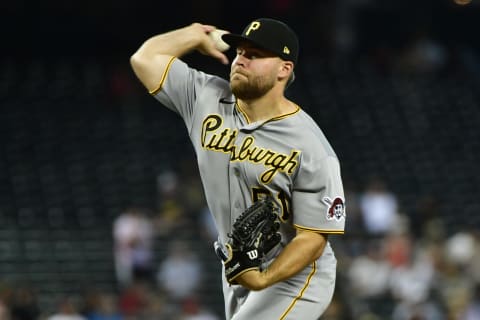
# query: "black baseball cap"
269,34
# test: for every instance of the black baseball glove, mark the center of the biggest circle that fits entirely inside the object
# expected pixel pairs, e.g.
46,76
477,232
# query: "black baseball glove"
253,235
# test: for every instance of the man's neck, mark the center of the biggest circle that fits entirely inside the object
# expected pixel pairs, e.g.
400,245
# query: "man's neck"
266,108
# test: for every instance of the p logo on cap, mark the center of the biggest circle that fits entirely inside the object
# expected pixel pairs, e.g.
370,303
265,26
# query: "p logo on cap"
255,25
269,34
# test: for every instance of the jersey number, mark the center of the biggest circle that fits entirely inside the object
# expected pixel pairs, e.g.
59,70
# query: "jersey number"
285,202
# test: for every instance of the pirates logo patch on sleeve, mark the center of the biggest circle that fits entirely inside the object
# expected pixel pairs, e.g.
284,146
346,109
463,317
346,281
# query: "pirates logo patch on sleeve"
336,208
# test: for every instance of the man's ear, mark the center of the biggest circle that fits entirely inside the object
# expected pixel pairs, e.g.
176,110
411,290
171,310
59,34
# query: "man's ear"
286,69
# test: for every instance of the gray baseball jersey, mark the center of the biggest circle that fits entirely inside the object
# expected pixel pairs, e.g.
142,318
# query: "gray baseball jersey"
287,157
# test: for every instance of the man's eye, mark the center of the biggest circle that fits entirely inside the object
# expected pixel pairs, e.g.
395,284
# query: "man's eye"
248,54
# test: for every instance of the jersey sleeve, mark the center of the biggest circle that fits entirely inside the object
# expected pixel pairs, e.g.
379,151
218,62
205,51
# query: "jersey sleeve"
180,87
318,201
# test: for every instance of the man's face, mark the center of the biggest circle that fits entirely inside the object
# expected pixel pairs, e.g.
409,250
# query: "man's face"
253,72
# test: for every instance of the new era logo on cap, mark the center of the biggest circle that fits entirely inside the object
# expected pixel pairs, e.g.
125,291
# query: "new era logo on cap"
269,34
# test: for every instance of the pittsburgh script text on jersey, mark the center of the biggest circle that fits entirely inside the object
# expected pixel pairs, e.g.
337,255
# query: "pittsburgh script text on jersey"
216,139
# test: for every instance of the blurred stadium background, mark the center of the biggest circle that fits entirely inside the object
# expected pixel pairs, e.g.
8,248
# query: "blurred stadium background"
393,84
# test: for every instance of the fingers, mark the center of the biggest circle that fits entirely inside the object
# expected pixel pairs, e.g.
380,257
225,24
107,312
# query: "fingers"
207,46
208,28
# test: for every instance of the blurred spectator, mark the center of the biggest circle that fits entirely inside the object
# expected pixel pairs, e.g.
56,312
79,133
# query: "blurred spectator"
159,307
368,277
411,281
133,299
373,262
460,248
379,207
456,285
191,193
455,288
193,310
398,246
170,219
180,271
133,236
24,304
428,310
106,308
67,309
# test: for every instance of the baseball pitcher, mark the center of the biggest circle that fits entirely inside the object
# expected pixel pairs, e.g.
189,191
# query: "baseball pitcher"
271,179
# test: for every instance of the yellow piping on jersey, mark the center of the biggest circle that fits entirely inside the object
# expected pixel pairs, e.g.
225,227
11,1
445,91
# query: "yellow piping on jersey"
283,116
164,76
329,231
242,112
314,269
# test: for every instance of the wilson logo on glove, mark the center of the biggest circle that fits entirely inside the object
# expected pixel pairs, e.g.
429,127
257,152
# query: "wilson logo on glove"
252,254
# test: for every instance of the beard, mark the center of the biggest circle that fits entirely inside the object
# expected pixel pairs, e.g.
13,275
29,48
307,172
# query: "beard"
252,88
